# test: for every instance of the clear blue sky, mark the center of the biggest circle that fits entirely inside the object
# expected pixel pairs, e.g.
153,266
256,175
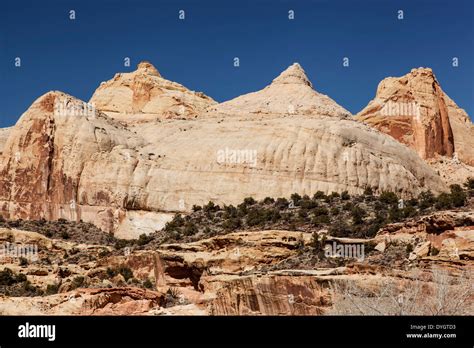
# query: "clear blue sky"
75,56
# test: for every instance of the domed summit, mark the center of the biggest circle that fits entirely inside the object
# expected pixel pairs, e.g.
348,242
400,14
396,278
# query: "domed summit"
291,93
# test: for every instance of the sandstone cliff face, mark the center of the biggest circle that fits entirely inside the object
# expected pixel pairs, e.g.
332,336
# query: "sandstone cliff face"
244,273
145,95
128,177
414,110
4,133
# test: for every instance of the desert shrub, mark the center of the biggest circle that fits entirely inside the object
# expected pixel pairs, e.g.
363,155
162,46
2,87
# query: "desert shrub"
64,235
434,251
126,272
147,283
469,186
296,198
104,253
426,199
340,229
458,196
372,228
320,220
445,295
282,203
307,203
122,243
319,195
144,239
395,214
190,229
388,197
23,261
409,211
111,272
318,243
345,196
303,213
172,298
443,201
52,289
358,214
248,201
7,277
211,207
230,212
77,282
268,200
320,211
348,206
256,217
232,224
368,191
196,208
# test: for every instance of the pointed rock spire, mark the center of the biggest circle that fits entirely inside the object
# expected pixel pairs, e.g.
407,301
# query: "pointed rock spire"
147,68
294,74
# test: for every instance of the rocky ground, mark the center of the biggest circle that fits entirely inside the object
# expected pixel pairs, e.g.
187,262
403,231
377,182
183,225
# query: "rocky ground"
422,264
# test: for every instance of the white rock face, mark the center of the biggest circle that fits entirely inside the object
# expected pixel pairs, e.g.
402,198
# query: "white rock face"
291,93
129,177
4,133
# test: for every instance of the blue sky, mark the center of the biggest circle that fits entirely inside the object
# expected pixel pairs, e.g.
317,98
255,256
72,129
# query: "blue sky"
75,56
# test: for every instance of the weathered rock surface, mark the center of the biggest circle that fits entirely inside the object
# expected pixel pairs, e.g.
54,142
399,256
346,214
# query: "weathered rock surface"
145,95
417,112
232,274
291,93
4,133
127,177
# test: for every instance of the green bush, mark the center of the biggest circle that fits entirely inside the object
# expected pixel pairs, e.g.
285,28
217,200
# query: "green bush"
268,200
232,224
320,220
52,289
345,196
426,200
249,201
296,198
388,197
190,229
443,201
7,277
458,196
23,261
282,203
320,211
340,229
368,191
319,195
144,239
126,272
434,251
148,284
358,214
77,282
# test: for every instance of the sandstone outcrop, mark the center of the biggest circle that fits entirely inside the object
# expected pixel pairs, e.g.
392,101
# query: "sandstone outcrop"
145,95
291,93
77,163
241,273
417,112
